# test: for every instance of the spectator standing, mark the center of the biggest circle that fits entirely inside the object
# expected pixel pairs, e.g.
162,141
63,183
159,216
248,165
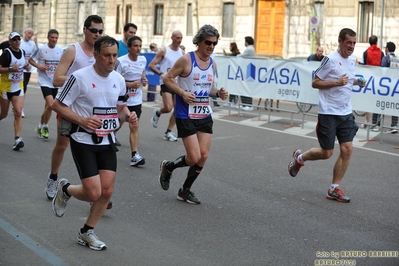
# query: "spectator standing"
234,51
318,56
334,79
152,88
248,52
372,57
391,60
46,59
129,30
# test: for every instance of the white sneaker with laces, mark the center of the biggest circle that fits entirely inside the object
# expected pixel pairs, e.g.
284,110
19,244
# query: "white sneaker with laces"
51,188
376,129
60,200
155,118
169,136
91,240
137,160
18,144
23,113
247,108
394,130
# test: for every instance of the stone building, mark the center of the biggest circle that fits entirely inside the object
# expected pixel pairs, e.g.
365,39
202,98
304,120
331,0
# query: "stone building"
286,28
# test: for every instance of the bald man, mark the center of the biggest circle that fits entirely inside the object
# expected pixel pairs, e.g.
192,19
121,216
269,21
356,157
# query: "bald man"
318,56
29,46
166,57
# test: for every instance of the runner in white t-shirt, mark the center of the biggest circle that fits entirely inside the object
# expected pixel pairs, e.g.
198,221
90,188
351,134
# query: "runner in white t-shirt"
92,99
46,59
334,80
132,67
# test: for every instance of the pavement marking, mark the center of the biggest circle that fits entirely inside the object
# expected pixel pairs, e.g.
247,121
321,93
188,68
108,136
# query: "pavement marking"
45,254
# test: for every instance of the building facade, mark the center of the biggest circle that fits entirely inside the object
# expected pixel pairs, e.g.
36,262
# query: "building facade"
286,28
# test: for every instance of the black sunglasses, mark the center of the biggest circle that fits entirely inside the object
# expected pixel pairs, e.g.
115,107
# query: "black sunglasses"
15,39
209,43
92,30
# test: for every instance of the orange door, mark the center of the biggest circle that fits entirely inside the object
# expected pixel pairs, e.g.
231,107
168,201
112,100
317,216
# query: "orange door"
270,27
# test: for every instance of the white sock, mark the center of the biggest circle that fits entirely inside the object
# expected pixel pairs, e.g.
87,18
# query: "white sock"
333,186
45,125
300,158
40,125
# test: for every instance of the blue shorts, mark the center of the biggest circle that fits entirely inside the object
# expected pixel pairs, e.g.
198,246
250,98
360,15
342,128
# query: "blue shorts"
329,126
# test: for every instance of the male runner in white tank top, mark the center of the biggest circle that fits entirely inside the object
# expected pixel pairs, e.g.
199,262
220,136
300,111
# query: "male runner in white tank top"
195,72
166,57
77,56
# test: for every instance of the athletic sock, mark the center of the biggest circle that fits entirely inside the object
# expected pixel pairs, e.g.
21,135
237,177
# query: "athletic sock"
85,229
300,158
179,162
333,186
40,125
167,131
193,173
54,176
133,153
65,189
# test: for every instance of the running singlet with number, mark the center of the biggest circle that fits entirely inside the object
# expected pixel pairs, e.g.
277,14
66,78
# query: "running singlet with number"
169,59
29,48
50,57
13,81
132,71
336,100
200,82
88,94
81,60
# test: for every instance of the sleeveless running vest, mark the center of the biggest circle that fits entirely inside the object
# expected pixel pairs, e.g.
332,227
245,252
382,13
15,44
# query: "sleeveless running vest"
169,59
81,60
200,82
13,81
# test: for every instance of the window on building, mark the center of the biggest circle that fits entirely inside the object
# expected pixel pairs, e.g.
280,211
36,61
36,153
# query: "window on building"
94,6
18,19
365,23
129,14
118,22
189,22
158,24
228,19
81,17
2,17
35,18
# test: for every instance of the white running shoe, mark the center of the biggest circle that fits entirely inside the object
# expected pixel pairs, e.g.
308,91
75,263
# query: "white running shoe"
394,130
155,118
60,200
137,160
169,136
51,188
376,129
18,144
247,108
91,240
23,113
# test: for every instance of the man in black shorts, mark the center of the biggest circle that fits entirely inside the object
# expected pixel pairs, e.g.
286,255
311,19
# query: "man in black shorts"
93,118
334,79
46,59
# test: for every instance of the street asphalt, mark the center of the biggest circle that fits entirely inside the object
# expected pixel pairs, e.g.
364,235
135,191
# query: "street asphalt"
252,211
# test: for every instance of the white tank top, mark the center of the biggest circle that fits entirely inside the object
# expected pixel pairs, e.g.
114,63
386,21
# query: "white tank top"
81,60
169,59
13,81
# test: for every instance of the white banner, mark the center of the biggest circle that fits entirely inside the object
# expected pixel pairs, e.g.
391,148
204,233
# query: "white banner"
291,80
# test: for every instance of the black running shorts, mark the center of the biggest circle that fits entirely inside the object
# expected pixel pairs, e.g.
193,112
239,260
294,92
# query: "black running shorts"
89,159
329,126
188,127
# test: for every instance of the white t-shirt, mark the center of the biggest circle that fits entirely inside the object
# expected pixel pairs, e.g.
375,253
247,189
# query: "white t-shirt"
336,100
29,47
88,94
51,57
132,71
